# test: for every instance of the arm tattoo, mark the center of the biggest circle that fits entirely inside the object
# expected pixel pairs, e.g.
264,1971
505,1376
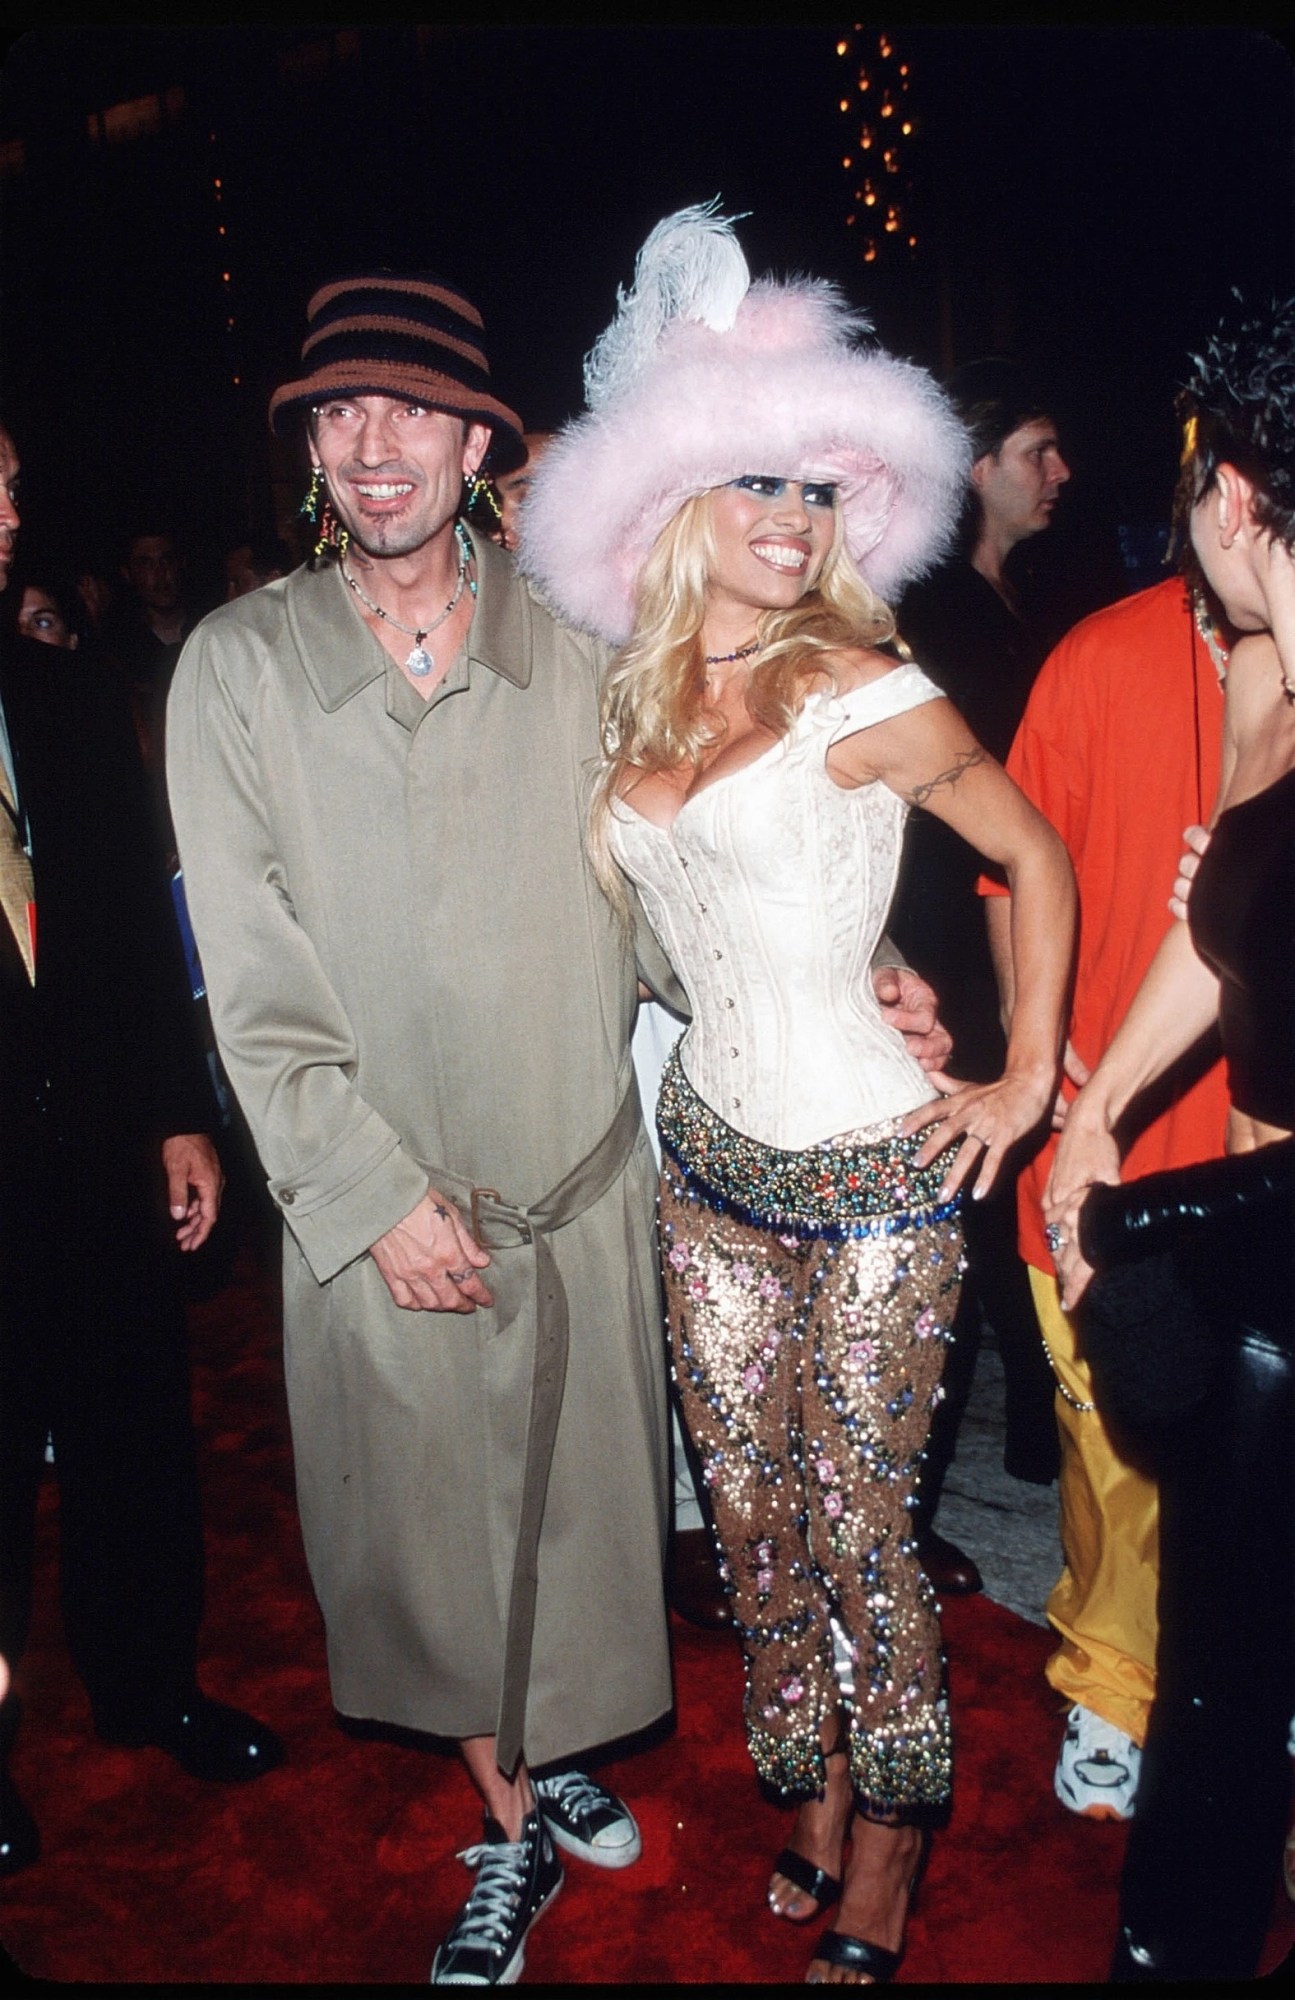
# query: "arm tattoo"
965,762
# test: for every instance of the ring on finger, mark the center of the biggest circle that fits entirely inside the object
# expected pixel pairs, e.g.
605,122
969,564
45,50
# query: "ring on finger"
1055,1237
459,1277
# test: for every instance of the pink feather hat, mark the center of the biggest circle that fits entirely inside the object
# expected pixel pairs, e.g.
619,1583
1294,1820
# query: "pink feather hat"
704,376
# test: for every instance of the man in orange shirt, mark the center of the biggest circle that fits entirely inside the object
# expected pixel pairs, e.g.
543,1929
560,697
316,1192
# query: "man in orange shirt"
1119,747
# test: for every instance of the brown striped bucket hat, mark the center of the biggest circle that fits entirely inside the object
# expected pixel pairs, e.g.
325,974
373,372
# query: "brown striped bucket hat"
392,333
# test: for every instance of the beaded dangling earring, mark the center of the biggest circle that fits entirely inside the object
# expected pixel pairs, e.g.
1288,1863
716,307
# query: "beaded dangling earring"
333,537
478,489
467,554
318,509
310,505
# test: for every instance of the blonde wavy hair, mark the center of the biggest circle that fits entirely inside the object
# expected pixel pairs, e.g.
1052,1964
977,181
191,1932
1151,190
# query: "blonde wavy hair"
654,710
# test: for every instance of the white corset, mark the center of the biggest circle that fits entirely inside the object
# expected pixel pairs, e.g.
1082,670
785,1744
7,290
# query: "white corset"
768,893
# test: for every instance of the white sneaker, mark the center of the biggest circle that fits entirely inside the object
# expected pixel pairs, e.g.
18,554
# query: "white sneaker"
1097,1771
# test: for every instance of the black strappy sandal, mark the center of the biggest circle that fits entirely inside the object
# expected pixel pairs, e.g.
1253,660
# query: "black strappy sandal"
815,1882
801,1872
852,1954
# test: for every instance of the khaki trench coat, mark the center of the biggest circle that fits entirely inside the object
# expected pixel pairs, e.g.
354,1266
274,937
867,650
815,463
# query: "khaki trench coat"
410,966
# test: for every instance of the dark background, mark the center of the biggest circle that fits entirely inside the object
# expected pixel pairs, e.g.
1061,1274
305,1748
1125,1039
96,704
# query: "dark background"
1084,197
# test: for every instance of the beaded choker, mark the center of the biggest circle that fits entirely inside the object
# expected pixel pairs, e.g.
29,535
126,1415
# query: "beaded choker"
725,659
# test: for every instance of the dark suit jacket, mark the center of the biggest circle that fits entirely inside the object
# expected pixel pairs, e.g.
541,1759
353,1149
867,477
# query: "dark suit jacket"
100,1061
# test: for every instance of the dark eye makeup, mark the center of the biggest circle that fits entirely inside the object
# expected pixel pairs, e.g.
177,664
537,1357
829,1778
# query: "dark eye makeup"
769,486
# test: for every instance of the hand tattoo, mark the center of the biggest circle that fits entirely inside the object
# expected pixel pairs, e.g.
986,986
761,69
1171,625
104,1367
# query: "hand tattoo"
965,762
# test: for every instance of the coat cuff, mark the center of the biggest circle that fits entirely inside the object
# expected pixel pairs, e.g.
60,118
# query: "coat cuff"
337,1217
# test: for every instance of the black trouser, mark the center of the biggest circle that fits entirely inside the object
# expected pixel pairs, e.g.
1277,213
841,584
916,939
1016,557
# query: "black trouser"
1213,1801
93,1352
1214,1792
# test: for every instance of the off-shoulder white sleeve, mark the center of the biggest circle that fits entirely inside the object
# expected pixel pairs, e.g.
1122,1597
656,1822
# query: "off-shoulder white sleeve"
889,695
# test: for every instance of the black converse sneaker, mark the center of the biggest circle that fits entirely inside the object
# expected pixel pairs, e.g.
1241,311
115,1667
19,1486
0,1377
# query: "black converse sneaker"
516,1880
587,1820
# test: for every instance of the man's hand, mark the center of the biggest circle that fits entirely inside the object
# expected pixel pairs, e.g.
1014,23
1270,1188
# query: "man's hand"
1198,839
430,1262
909,1004
195,1182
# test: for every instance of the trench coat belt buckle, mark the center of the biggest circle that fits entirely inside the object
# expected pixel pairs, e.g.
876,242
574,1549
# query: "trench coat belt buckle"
477,1224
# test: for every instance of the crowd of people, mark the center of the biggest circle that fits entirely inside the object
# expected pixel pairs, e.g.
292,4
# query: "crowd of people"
712,760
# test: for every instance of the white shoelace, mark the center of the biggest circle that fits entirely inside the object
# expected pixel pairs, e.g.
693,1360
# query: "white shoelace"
488,1913
573,1791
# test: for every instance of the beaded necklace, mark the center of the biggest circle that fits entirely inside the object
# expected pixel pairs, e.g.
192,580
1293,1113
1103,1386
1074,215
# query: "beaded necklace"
420,662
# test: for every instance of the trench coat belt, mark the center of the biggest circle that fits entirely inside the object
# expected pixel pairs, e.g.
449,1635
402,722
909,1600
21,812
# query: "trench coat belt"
577,1191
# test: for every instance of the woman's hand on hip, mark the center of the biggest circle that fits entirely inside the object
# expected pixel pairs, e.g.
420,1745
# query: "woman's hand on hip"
989,1118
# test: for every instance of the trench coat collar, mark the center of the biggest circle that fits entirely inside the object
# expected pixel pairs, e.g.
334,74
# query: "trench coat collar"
340,655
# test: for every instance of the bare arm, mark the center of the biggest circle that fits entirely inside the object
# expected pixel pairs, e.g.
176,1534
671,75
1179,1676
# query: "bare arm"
998,924
1175,1005
930,758
998,927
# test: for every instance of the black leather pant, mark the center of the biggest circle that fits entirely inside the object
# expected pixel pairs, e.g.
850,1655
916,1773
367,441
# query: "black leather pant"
1214,1795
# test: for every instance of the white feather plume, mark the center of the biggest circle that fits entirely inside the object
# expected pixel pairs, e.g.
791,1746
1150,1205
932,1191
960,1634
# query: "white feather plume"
691,267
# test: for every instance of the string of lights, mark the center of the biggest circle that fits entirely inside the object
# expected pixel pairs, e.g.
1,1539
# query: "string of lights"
880,130
223,248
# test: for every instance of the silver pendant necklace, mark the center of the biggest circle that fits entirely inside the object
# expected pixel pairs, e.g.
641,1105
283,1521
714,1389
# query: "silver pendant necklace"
420,662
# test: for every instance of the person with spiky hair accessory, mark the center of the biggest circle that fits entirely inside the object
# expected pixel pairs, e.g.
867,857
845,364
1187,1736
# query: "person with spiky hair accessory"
1206,1841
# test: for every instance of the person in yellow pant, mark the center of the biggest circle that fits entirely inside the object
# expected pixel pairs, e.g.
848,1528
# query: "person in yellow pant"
1119,747
1104,1602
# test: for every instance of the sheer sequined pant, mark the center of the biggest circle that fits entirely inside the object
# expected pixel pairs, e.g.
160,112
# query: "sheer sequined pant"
808,1370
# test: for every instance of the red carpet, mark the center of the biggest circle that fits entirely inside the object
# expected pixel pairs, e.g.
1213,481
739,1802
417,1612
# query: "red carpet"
339,1866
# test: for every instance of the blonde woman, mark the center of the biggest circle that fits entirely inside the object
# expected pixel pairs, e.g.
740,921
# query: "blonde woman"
747,490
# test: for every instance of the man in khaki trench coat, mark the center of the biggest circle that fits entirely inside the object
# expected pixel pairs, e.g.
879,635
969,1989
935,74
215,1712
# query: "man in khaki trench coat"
424,1003
378,771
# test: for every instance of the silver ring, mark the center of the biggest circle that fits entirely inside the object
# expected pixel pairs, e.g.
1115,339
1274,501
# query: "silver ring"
459,1277
1054,1237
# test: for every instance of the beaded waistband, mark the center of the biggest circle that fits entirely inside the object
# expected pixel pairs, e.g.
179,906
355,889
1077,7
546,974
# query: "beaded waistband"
829,1190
